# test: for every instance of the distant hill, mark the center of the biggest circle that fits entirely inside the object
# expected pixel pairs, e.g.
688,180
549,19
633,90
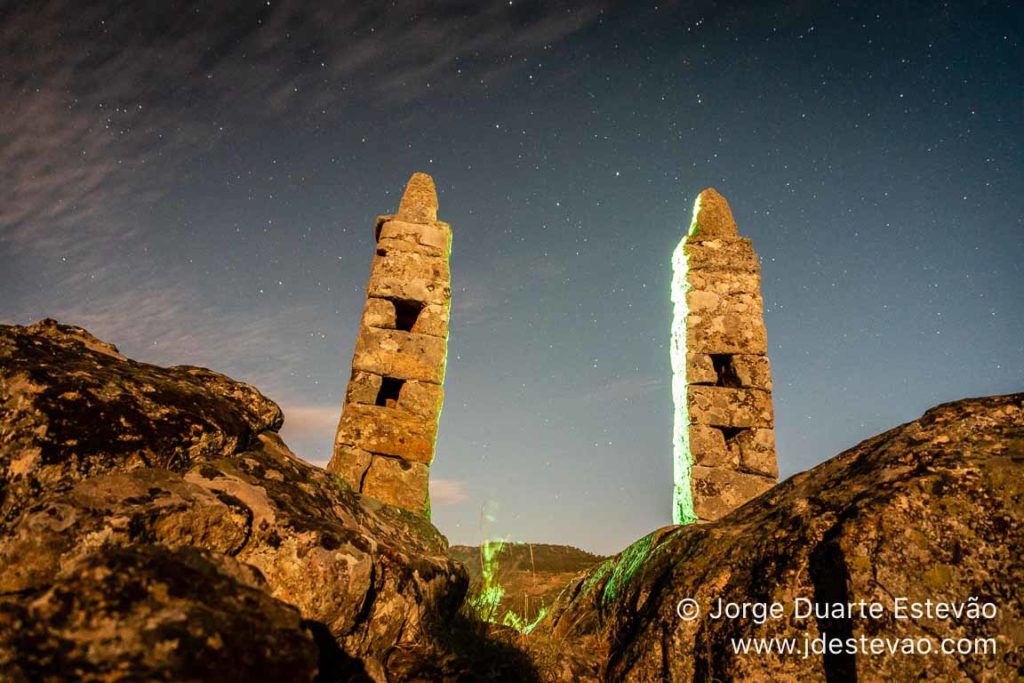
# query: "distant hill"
531,574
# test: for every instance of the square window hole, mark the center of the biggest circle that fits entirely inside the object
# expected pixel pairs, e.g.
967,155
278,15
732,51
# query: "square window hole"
406,314
725,370
389,390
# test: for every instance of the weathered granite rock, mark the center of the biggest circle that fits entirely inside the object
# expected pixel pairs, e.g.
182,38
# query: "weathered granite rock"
385,439
931,510
74,407
119,508
721,376
149,613
107,460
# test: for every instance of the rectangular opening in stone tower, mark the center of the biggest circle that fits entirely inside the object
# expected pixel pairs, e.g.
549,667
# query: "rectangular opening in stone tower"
406,314
389,390
725,370
730,433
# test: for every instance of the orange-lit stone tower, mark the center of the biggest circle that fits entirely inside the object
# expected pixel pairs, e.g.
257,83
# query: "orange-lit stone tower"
385,439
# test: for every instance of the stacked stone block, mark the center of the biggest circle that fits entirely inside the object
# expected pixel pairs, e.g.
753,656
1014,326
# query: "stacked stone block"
385,439
724,439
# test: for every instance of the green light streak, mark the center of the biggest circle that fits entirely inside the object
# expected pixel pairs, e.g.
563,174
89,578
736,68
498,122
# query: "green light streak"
486,602
629,562
693,218
520,624
607,583
682,458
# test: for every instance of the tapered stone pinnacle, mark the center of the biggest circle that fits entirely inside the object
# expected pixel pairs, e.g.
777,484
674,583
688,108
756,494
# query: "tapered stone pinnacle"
723,435
419,202
712,216
388,429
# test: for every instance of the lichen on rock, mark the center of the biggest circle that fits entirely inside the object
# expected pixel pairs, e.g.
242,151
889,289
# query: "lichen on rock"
109,466
930,510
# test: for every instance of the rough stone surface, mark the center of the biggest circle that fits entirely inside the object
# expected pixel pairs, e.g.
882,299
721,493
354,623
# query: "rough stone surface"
430,239
400,355
714,217
410,266
380,313
364,387
726,407
700,369
410,289
719,490
734,256
752,371
729,333
403,481
385,439
931,510
755,450
724,440
708,447
117,508
389,431
145,506
419,201
354,465
433,320
74,407
149,613
422,399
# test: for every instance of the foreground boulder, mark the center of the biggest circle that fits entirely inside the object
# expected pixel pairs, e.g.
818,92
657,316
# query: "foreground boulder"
932,510
154,614
151,520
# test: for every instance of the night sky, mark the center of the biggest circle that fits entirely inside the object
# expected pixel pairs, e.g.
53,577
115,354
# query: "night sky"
199,185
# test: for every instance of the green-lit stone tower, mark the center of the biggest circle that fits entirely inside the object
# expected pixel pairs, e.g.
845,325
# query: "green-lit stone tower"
723,437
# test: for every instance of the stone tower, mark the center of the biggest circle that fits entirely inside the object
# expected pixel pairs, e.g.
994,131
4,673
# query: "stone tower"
385,439
723,436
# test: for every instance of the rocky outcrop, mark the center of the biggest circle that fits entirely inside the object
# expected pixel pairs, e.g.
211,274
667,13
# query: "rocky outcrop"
932,510
149,613
153,521
153,526
74,407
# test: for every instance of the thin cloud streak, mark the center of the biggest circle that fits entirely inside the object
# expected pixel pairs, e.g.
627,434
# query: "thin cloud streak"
309,430
308,418
447,492
95,120
174,325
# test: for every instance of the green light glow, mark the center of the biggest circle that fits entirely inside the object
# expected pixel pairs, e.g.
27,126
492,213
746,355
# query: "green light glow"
682,458
520,624
597,575
629,563
693,218
486,602
610,578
